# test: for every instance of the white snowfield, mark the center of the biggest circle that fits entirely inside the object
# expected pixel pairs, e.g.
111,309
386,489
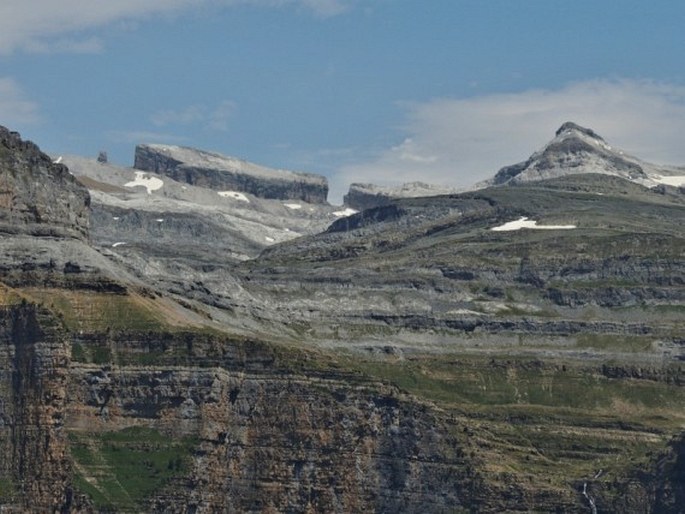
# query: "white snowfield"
346,212
524,222
293,206
118,244
235,195
149,183
674,180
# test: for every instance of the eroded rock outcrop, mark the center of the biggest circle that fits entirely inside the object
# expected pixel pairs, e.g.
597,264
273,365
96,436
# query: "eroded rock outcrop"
367,196
577,150
38,197
222,173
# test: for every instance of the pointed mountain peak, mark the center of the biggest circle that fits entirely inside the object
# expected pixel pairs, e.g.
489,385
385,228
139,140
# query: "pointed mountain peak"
569,128
573,150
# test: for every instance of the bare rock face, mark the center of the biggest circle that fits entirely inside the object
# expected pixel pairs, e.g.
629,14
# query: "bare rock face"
270,439
574,150
367,196
222,173
39,197
34,355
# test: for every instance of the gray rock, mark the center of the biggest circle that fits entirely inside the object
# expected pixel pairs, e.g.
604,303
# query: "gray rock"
578,150
366,196
221,173
38,197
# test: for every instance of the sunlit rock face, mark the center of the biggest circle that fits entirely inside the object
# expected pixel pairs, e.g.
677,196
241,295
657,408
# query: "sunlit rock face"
38,197
219,172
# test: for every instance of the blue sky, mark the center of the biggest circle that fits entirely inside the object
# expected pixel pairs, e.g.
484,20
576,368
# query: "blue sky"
384,91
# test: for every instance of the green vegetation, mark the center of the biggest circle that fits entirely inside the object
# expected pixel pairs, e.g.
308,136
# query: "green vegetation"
621,343
516,381
543,420
7,489
78,354
118,470
99,312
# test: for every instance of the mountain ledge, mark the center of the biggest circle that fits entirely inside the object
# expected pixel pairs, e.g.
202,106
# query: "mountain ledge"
222,173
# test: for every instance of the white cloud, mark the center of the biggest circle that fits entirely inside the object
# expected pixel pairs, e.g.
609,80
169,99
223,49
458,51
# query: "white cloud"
143,136
458,142
89,45
34,25
15,107
220,115
325,7
214,118
189,115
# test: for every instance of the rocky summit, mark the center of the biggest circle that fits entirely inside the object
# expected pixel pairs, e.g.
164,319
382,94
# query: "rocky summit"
577,150
221,173
173,343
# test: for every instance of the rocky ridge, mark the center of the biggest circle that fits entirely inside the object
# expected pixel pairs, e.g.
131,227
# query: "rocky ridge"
579,150
39,197
367,196
221,173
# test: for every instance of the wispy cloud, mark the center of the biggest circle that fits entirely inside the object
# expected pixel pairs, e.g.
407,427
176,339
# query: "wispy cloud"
458,142
186,116
220,115
88,45
143,136
214,118
15,107
64,26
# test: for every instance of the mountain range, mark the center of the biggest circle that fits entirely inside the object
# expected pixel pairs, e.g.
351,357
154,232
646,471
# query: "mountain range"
203,334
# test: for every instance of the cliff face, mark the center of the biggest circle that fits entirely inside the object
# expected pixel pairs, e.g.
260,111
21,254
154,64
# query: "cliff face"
367,196
35,469
268,437
222,173
38,197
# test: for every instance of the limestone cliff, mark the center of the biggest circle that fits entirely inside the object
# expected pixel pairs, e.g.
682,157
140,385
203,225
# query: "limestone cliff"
366,196
223,173
38,197
35,469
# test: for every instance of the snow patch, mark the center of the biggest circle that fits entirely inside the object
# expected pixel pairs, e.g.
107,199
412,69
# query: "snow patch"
346,212
118,244
524,222
159,220
149,183
115,218
293,206
235,195
270,239
674,180
58,160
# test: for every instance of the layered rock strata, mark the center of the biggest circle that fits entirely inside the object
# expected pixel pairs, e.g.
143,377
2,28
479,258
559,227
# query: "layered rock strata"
38,197
221,173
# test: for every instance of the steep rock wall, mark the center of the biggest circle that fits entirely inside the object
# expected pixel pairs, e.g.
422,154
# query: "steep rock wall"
37,196
273,440
34,355
224,174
